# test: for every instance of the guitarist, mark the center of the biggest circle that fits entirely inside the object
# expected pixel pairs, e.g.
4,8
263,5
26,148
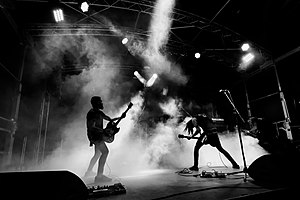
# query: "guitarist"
95,131
205,126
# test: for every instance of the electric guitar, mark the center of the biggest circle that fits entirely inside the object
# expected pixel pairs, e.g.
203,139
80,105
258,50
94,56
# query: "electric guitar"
111,128
204,137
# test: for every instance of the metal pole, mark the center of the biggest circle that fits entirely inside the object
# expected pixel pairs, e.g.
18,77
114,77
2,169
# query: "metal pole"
285,109
40,131
61,147
16,115
248,105
23,153
238,119
46,125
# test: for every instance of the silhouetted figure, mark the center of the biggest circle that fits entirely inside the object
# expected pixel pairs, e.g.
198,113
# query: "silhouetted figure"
272,169
265,132
95,133
208,135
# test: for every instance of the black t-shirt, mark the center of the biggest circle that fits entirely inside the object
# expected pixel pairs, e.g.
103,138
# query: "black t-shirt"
209,131
206,124
94,116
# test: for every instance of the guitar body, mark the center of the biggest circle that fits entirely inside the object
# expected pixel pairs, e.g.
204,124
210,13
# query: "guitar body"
110,131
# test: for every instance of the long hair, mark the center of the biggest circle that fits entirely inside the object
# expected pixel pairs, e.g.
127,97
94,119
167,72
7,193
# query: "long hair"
199,120
189,127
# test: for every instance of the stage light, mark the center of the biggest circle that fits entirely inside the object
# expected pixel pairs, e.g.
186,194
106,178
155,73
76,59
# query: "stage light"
58,15
245,47
151,81
165,91
197,55
84,6
248,57
139,77
148,83
125,40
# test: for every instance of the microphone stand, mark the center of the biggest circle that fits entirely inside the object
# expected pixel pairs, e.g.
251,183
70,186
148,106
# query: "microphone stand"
238,118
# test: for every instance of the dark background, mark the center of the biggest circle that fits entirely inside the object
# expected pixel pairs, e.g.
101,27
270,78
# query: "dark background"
215,28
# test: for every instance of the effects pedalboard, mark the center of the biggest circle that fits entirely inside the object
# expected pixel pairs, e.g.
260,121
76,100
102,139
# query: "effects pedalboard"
106,190
213,174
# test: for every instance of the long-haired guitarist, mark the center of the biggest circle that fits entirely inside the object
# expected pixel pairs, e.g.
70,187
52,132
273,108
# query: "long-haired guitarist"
95,133
205,126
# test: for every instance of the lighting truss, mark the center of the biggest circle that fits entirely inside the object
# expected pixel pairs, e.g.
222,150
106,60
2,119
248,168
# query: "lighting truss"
177,44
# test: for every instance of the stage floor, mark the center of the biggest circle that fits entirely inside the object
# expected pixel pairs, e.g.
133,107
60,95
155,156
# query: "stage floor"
168,184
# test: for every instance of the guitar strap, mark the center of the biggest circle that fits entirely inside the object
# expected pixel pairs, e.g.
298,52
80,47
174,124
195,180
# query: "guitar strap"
203,137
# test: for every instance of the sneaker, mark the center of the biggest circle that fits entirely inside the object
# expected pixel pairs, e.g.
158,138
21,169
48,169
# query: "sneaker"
90,173
236,167
194,168
101,179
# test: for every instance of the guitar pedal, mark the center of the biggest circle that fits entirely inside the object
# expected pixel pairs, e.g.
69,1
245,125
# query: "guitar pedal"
106,190
213,174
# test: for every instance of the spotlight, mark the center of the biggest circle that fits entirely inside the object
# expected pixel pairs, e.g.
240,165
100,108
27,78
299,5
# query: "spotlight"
84,6
197,55
125,40
248,57
151,81
245,47
58,15
139,77
165,91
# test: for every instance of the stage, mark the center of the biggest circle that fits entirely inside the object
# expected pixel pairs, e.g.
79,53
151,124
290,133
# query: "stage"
145,185
168,184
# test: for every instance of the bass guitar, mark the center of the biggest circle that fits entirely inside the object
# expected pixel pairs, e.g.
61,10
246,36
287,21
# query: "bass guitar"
111,128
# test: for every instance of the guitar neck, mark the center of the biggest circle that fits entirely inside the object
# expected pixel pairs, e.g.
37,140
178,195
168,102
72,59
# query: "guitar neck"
122,114
183,136
193,137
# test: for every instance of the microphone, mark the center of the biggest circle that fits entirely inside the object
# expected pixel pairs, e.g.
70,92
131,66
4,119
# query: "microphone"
223,90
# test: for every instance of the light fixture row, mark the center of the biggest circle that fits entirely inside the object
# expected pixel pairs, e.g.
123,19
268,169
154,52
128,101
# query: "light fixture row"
59,15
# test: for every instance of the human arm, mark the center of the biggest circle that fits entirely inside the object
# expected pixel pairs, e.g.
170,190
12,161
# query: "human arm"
113,119
117,118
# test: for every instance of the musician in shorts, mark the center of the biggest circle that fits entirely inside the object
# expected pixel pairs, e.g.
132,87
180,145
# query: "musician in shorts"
95,133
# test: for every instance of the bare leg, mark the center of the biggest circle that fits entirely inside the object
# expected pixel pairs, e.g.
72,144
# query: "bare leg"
94,159
104,153
101,146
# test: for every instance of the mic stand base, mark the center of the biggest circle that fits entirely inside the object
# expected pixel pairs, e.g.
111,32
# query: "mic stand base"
242,149
238,172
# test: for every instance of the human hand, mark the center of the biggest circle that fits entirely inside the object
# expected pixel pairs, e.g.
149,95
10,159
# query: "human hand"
123,115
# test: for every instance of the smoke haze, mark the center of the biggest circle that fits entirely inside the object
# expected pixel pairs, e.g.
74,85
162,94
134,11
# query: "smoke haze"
137,146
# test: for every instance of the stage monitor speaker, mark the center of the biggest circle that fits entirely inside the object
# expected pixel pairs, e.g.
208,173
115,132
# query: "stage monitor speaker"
273,170
42,185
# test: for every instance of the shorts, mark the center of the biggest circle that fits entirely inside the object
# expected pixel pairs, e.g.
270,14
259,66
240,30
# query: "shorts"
94,137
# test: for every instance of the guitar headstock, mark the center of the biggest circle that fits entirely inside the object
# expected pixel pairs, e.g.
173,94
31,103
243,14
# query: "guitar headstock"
130,105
